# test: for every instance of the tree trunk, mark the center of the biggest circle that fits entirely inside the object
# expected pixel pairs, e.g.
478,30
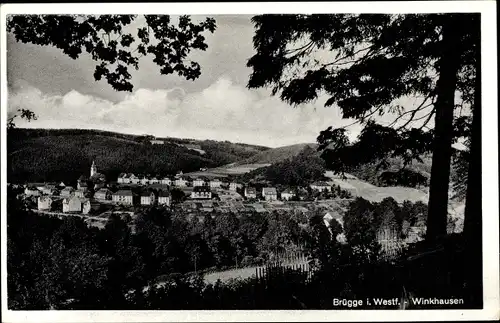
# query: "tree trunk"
443,131
473,208
473,211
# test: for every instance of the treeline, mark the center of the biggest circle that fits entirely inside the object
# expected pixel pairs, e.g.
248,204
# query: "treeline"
300,170
392,172
63,264
64,155
52,261
359,269
225,152
65,158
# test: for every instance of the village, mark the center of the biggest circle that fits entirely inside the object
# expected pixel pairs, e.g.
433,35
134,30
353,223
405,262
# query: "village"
95,197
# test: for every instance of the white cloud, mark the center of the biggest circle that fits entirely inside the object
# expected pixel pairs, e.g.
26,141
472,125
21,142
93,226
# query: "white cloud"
222,111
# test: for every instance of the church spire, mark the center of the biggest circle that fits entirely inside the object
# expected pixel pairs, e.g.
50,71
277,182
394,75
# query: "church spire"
93,169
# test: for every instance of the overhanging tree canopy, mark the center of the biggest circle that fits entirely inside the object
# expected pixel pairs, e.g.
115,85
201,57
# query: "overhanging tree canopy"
365,64
114,46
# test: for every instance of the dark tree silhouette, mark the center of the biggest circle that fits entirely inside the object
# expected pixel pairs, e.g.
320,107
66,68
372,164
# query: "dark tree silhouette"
106,40
375,60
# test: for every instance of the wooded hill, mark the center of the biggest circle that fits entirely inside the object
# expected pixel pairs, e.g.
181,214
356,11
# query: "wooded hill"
64,155
275,155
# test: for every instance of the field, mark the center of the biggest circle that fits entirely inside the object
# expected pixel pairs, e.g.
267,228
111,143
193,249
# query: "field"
227,170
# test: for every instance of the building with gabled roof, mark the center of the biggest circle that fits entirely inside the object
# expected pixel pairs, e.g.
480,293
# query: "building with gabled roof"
82,185
125,197
269,193
164,197
321,186
166,180
181,182
287,194
103,194
80,193
201,192
199,181
233,186
67,191
72,204
147,198
44,203
215,183
32,191
250,192
133,179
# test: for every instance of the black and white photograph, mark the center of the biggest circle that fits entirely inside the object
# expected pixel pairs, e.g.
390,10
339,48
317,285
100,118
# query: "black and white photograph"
283,159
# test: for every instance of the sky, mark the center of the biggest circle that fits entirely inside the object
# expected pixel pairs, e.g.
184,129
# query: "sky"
218,106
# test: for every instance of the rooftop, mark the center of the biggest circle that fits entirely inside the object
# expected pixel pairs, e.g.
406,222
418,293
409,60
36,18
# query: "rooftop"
269,190
124,193
201,189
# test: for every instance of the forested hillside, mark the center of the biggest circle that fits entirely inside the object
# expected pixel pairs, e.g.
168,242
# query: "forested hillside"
63,155
303,168
275,155
372,174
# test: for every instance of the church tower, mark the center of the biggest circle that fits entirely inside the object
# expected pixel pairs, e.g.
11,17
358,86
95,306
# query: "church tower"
93,169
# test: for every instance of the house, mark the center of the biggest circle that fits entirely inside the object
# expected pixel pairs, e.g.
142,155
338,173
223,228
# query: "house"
72,204
147,198
120,178
80,193
67,191
195,147
215,183
133,179
124,179
201,192
89,206
154,180
166,181
144,180
32,191
250,193
48,189
82,186
179,174
270,193
103,194
233,186
287,195
38,186
123,197
199,182
157,142
321,186
44,203
181,182
164,198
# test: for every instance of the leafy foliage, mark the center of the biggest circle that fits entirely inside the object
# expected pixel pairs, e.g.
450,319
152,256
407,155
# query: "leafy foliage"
107,40
371,62
301,170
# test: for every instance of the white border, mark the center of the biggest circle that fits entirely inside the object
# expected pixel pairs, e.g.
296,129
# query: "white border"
489,150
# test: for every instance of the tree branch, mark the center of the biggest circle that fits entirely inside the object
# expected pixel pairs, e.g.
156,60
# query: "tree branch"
424,125
412,112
